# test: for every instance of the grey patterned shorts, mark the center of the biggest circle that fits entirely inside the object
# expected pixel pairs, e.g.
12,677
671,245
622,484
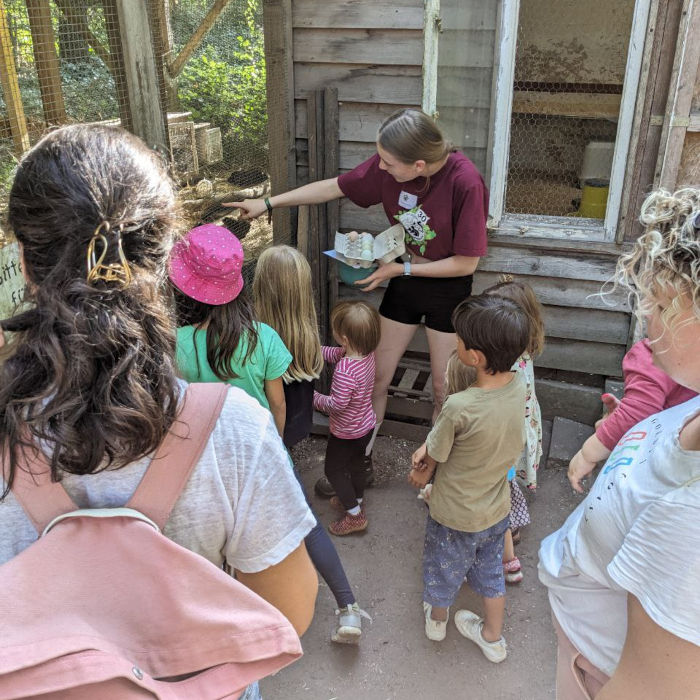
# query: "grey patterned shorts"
451,555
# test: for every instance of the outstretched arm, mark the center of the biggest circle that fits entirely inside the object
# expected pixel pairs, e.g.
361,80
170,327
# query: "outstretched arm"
313,193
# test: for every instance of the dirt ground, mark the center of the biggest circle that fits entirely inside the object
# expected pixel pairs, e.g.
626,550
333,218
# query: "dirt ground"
394,659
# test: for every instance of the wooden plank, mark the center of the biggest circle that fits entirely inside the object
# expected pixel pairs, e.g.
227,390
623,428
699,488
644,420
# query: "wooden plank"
314,210
405,431
386,46
116,59
642,119
462,87
413,408
141,73
46,61
350,153
467,48
331,159
573,401
358,14
577,294
10,88
279,76
502,104
359,121
567,104
586,324
573,295
680,99
431,30
409,376
529,262
581,356
633,68
399,85
372,219
461,15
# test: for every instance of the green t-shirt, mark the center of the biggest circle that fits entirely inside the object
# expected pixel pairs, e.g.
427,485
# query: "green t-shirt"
269,360
476,439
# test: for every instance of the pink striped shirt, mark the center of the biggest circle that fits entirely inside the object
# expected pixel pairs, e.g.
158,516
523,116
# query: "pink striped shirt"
350,402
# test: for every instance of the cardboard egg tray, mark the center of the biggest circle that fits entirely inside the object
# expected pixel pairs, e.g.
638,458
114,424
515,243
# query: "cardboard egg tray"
366,249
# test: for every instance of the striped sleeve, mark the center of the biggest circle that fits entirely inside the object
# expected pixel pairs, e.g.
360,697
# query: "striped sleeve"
342,388
332,355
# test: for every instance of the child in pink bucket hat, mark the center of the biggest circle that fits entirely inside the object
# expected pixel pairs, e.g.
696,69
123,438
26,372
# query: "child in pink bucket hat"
218,340
207,264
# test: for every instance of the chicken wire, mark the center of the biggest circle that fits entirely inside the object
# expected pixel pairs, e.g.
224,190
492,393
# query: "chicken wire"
564,104
68,59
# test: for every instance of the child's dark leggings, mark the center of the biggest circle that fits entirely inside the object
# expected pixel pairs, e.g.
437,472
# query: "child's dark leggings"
345,468
325,558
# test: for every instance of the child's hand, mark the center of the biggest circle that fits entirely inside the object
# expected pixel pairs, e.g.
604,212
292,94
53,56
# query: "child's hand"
418,461
610,403
579,468
419,478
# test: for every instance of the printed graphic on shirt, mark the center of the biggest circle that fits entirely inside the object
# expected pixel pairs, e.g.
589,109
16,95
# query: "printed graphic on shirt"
415,221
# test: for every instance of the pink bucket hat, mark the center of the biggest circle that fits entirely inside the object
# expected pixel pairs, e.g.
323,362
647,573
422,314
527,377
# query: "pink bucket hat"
206,265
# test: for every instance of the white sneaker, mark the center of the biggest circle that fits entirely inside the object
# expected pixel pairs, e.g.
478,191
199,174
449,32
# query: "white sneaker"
470,625
349,629
435,630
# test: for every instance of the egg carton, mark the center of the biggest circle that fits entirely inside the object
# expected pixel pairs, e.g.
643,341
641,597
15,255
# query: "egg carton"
364,249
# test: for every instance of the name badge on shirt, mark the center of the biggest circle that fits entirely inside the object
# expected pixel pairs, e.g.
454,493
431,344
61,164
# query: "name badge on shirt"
407,200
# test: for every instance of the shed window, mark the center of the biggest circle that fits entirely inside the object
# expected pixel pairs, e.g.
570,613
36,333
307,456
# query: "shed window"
540,95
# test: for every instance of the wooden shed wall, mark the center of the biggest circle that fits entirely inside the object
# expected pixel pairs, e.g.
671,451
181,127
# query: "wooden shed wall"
373,53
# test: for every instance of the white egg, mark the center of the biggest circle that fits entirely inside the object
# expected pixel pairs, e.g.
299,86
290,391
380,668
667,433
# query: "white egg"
204,188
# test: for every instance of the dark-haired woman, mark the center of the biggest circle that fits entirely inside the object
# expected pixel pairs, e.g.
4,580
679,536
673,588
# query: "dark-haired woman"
439,197
91,377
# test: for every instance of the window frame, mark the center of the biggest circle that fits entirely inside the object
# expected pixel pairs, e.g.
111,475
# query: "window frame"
541,226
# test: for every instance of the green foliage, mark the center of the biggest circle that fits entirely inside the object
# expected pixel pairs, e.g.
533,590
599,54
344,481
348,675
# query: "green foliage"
225,83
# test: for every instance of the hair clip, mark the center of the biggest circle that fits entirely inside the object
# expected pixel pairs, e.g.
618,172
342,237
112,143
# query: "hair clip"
112,272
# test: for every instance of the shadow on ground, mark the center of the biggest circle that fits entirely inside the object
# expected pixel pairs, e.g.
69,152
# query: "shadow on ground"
394,659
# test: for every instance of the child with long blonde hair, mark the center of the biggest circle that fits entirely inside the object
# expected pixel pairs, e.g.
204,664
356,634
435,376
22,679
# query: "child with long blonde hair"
283,297
527,465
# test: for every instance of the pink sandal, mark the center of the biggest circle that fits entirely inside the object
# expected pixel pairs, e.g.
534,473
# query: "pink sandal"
512,571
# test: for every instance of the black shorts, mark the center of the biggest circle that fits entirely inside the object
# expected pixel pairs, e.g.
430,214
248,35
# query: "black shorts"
409,299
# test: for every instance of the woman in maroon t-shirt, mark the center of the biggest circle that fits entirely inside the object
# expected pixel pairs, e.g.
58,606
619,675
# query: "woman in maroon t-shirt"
439,197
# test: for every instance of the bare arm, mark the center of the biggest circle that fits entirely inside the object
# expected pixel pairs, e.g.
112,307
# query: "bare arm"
654,663
313,193
290,586
584,461
454,266
274,391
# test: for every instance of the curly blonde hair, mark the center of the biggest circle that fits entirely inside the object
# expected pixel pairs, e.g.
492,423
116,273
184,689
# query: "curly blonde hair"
666,256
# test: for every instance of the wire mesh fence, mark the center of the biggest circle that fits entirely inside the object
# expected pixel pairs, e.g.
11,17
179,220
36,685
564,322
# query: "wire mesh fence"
68,61
569,73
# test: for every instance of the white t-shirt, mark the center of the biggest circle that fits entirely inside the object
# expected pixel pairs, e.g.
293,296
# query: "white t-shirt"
242,502
636,531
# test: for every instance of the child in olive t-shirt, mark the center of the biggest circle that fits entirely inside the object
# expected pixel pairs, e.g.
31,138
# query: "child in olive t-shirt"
475,440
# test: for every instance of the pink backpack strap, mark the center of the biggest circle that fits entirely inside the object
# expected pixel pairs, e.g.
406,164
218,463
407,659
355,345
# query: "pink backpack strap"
178,454
41,499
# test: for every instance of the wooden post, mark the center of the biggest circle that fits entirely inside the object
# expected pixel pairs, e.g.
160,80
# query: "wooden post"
330,165
141,74
314,248
277,19
10,87
680,97
644,147
117,62
164,34
46,60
